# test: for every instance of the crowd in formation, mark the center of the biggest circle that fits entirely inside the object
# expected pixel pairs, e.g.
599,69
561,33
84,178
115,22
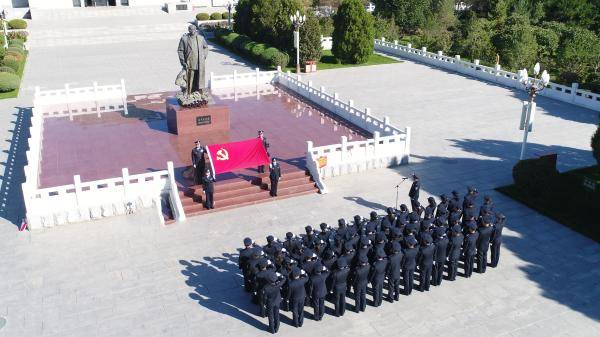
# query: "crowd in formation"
335,262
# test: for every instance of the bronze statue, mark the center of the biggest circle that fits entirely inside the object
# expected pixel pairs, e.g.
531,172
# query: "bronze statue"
192,52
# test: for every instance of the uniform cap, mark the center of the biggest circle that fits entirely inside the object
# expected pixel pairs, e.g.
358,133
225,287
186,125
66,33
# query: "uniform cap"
440,231
289,235
373,215
425,237
411,240
381,254
487,198
456,229
341,263
263,264
396,247
471,225
389,210
272,278
380,237
348,246
318,267
364,241
270,238
444,197
341,222
296,272
403,208
363,259
431,200
256,252
323,226
487,219
308,229
455,193
247,242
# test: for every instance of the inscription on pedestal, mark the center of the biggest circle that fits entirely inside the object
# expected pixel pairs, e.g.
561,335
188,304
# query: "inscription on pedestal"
181,121
203,120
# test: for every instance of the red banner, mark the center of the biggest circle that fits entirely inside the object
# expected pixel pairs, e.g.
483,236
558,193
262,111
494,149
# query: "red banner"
237,155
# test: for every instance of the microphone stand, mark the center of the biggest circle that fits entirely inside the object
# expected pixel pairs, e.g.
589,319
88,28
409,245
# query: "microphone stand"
398,189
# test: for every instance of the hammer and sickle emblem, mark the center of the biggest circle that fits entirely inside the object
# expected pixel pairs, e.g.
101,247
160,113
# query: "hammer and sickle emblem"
222,154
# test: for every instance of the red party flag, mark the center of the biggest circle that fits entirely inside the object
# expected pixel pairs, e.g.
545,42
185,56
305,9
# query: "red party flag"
237,155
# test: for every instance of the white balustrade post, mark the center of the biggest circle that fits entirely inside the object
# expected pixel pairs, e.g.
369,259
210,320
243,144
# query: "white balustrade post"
67,98
497,67
457,57
125,172
406,152
234,78
396,42
336,96
476,61
574,88
386,122
344,155
95,100
78,191
409,45
376,149
424,50
368,111
36,95
440,53
124,94
257,77
278,69
322,90
178,212
309,146
211,80
350,103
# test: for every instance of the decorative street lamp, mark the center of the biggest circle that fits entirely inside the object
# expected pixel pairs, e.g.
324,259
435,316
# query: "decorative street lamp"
533,85
229,5
3,17
297,20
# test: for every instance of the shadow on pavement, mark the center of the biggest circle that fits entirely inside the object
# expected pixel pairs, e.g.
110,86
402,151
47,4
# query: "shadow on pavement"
12,207
218,287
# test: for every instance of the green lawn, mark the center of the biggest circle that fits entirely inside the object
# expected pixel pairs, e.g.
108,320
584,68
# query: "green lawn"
566,201
15,93
328,61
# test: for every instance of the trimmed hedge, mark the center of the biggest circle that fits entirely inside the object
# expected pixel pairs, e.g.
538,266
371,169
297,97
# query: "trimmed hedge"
225,15
202,16
216,16
16,43
16,49
17,24
20,35
9,82
4,69
536,176
11,62
259,52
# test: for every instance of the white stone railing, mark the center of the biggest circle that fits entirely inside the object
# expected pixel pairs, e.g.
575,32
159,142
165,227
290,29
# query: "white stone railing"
358,156
95,99
331,102
81,201
326,42
236,79
572,94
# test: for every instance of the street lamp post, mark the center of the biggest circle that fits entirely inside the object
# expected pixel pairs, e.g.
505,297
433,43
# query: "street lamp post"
533,85
229,5
3,17
297,20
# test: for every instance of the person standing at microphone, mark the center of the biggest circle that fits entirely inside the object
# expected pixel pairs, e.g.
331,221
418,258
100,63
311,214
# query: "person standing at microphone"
413,194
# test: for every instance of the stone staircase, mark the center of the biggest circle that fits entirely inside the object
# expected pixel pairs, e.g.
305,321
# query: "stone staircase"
234,193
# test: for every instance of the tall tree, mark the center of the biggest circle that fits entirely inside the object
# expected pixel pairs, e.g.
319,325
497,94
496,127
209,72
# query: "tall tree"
516,43
410,15
353,33
310,39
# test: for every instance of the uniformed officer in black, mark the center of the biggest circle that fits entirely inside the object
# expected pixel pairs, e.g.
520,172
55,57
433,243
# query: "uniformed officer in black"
454,249
442,207
454,202
318,290
470,247
272,299
409,263
261,135
340,282
441,250
245,255
297,294
394,271
497,239
413,194
431,207
208,184
377,278
487,207
425,261
198,162
483,242
274,176
360,279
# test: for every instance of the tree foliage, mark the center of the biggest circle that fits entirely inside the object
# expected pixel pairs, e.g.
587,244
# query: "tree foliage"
353,33
516,43
310,39
410,15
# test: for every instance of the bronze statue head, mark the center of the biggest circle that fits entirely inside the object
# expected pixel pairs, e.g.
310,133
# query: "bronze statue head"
192,30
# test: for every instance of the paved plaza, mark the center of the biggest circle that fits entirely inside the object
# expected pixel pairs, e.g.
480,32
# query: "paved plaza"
130,276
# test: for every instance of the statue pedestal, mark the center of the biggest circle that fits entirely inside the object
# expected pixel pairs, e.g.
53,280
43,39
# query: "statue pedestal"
184,121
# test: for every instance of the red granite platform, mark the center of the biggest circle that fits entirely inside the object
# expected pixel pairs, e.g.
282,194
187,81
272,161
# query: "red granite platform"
99,147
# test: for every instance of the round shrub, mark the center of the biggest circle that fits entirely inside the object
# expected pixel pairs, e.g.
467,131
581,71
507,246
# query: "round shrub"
11,61
220,32
4,69
229,38
225,15
272,57
15,55
216,16
535,175
8,82
240,42
21,35
17,24
257,50
202,16
16,43
2,53
15,49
